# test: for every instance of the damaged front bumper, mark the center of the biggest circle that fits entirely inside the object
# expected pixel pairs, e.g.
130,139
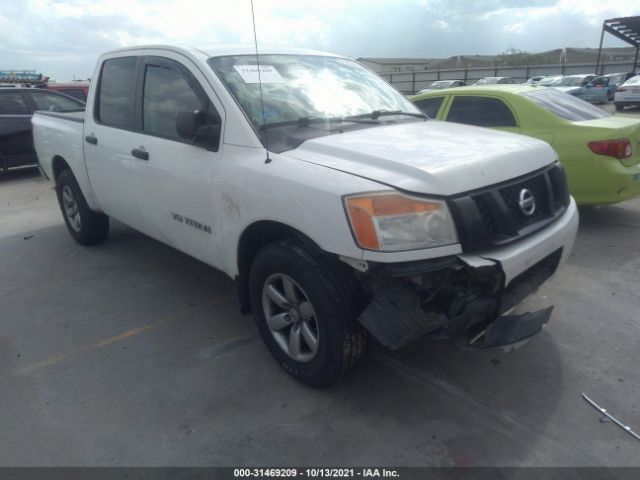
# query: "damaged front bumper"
453,300
468,299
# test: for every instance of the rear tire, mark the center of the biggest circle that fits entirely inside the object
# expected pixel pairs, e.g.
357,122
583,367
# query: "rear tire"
619,107
310,328
85,226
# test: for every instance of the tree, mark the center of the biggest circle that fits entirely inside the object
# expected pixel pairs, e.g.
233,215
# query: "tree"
514,56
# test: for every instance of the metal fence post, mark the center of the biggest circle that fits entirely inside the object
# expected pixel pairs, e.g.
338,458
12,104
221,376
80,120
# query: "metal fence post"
413,82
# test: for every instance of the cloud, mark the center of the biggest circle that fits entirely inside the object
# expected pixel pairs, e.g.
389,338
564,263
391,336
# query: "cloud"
63,38
517,27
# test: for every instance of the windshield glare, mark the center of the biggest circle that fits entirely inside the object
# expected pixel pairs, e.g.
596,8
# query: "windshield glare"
299,86
633,80
568,82
565,106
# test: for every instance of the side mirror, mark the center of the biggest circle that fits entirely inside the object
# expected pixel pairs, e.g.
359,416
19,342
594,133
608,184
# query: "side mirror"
198,126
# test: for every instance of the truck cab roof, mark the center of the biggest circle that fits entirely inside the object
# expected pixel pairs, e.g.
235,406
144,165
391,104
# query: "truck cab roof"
222,50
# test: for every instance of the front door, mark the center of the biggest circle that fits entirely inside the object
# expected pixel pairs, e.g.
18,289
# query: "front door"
16,141
172,176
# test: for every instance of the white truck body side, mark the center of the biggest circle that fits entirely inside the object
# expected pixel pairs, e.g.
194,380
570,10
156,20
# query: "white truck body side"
201,199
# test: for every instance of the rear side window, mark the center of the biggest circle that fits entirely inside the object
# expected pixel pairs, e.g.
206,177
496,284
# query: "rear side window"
75,93
54,103
116,93
430,106
565,106
13,104
481,111
167,92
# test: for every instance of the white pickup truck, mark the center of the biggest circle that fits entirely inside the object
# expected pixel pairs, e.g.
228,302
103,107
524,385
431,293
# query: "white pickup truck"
341,212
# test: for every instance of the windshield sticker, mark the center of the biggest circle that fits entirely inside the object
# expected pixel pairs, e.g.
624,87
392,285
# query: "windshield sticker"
268,74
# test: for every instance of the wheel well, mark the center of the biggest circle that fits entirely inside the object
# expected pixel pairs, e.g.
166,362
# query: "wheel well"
58,165
252,240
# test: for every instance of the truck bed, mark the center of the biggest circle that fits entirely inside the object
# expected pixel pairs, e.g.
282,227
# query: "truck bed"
77,116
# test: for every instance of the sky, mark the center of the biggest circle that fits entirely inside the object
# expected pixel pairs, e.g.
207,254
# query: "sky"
63,38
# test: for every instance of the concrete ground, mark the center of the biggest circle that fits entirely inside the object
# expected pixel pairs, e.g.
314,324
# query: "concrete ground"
131,353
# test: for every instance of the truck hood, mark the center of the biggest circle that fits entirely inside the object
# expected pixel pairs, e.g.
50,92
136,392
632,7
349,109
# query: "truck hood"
431,157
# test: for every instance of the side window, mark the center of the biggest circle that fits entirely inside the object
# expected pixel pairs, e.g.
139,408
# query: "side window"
167,92
430,106
481,111
116,93
53,102
75,93
13,104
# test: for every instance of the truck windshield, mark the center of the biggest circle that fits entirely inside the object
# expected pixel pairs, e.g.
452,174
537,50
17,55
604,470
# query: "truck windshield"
296,88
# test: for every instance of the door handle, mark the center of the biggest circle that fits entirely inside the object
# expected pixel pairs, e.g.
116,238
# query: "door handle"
92,139
139,153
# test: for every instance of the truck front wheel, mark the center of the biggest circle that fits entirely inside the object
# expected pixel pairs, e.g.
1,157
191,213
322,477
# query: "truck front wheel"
305,308
85,226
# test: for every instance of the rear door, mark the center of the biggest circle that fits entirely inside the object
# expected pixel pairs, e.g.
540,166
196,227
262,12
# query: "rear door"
16,141
482,111
109,135
173,176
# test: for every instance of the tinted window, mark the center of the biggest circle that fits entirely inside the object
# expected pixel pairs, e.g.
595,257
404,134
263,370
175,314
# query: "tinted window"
481,111
117,86
75,93
166,92
54,103
13,104
565,106
430,106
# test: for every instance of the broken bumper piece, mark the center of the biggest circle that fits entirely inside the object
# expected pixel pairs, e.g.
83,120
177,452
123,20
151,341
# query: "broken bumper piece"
507,332
465,304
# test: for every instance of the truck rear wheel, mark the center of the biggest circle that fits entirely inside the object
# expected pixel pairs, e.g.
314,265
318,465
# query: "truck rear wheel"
305,309
85,226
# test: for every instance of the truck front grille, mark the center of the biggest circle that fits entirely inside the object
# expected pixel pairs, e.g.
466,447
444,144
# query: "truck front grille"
493,216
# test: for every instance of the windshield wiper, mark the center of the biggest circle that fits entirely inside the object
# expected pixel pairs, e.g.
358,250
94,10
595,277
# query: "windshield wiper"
383,113
301,122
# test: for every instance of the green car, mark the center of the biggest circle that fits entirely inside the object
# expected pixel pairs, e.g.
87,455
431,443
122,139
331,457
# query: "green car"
600,152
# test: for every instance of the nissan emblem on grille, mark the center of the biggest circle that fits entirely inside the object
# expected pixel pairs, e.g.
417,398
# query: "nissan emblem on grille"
527,202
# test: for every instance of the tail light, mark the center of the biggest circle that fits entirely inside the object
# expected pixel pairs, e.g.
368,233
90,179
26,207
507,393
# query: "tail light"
620,148
621,89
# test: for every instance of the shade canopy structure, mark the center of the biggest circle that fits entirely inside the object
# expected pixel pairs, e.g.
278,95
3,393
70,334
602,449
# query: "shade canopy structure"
626,29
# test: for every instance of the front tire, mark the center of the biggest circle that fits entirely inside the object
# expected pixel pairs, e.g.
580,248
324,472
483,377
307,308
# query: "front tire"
619,107
85,226
305,309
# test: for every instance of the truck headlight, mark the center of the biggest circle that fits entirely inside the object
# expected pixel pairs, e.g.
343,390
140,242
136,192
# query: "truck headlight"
390,221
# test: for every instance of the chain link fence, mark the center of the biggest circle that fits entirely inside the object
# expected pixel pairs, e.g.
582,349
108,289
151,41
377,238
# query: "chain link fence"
411,82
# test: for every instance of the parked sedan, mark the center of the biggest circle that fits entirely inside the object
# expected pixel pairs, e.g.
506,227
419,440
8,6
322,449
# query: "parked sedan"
600,152
441,84
615,80
590,88
78,90
628,94
548,80
534,80
495,80
16,107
